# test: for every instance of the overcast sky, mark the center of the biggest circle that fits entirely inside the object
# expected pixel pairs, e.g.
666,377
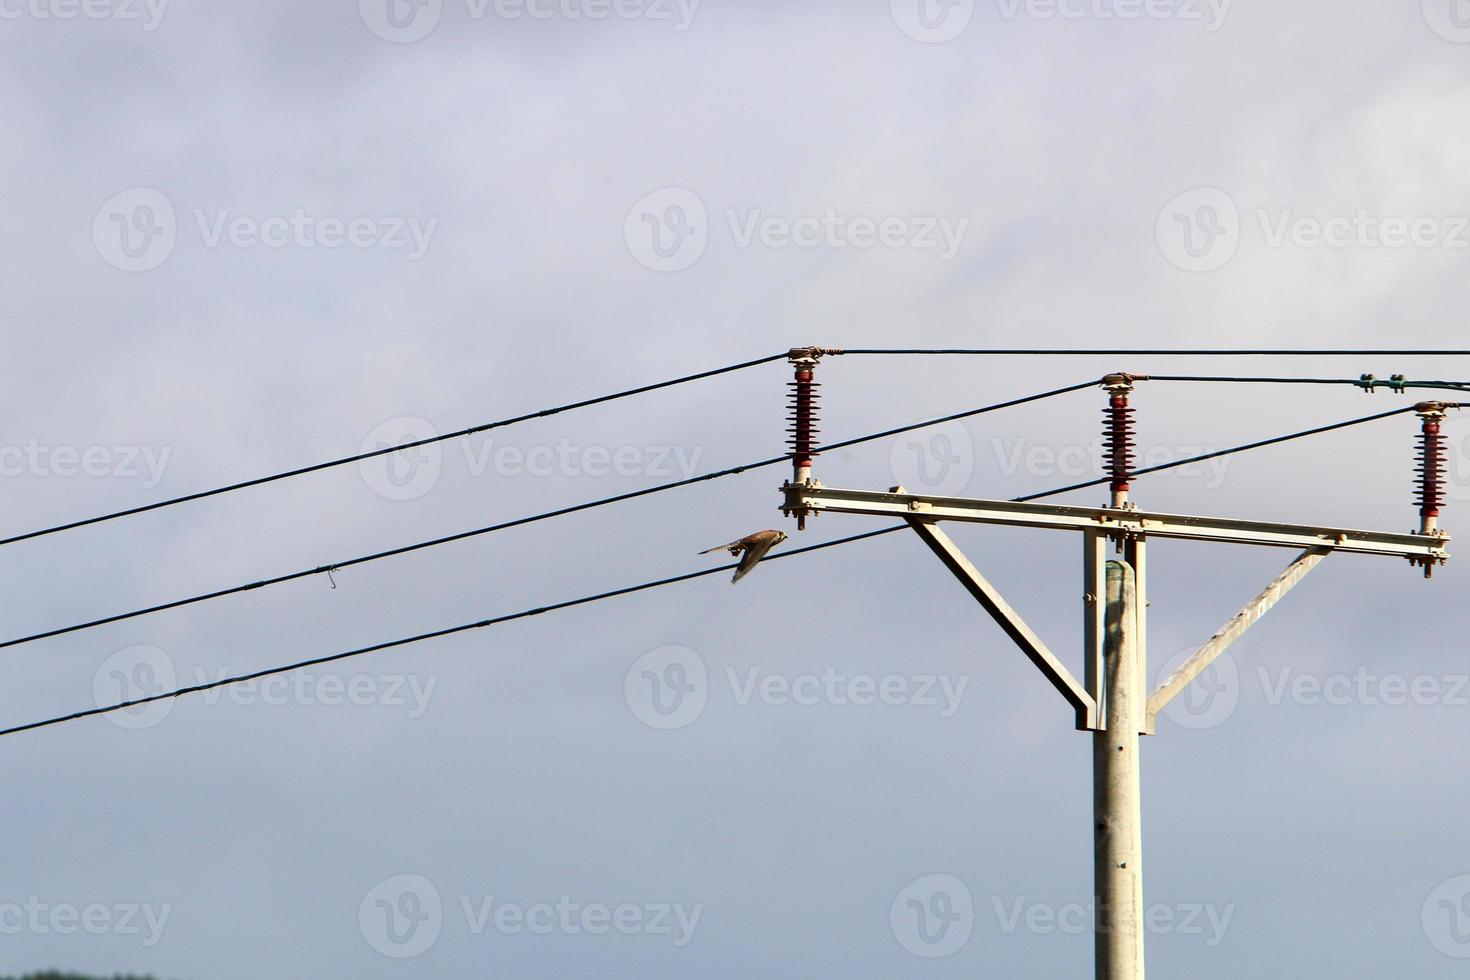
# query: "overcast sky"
243,238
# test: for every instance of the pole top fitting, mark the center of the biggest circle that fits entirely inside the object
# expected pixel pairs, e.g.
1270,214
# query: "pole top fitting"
1121,382
1433,411
810,355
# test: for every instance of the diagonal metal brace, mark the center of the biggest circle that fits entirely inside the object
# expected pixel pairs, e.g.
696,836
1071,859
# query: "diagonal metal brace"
985,593
1231,631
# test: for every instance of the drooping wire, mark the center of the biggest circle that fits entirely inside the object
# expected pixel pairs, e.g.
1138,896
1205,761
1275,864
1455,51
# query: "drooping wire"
1153,352
1261,444
338,566
432,635
627,590
359,457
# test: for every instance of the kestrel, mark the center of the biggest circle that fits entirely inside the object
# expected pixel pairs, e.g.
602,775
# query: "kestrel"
754,547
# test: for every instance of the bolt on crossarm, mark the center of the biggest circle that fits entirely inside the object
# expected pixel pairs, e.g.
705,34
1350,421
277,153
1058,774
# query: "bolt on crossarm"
1112,702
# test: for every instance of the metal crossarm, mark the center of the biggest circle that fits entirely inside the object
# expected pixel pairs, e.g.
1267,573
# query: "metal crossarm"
1120,521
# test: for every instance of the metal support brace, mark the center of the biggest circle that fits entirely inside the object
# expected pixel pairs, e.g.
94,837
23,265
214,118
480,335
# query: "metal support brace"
1031,645
1228,633
1094,622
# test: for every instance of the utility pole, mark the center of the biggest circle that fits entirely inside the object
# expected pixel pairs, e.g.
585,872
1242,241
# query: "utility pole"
1113,702
1117,828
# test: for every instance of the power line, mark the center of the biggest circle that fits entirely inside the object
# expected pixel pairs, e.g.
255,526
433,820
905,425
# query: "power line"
522,521
1223,452
1155,352
627,590
345,460
1367,382
434,634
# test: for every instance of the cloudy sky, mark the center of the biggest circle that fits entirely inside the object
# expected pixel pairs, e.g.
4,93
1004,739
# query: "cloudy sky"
238,239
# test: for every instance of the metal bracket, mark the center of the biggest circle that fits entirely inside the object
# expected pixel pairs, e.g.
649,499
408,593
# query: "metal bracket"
1025,638
1230,632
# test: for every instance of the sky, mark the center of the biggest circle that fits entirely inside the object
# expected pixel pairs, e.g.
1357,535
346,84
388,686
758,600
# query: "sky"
238,239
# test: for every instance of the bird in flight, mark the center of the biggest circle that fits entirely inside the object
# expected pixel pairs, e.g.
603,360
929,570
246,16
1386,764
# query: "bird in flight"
754,548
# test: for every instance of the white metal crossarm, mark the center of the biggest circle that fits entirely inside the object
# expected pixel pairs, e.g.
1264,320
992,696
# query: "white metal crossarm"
1025,638
1116,521
1230,632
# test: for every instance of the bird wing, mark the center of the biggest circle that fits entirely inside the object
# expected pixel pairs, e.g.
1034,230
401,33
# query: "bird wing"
754,552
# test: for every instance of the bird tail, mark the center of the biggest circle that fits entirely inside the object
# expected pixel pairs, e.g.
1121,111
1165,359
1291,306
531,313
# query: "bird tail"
710,551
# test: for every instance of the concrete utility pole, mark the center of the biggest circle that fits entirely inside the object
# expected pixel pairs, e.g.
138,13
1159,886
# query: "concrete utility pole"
1112,701
1117,829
